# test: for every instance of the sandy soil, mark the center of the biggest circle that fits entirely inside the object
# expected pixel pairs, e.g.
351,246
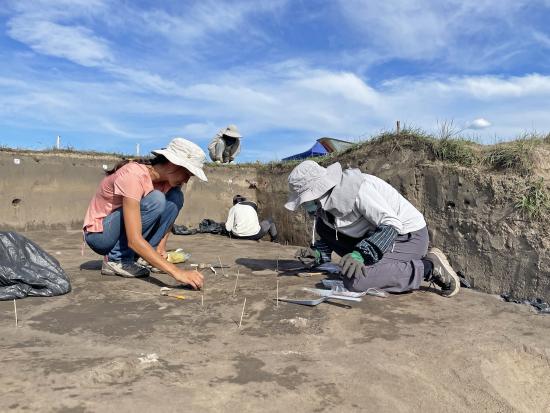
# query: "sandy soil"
103,349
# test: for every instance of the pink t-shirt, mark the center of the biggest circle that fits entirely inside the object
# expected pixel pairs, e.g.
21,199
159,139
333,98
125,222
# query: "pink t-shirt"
132,181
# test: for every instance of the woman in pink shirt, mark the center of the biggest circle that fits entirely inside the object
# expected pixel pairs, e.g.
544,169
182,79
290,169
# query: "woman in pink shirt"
135,206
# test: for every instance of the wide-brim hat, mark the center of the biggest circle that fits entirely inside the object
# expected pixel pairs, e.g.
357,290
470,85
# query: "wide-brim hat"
183,152
309,181
232,132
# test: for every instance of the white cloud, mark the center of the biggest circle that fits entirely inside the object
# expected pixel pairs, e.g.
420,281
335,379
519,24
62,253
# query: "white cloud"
199,131
39,25
75,43
542,38
468,34
406,28
479,123
202,19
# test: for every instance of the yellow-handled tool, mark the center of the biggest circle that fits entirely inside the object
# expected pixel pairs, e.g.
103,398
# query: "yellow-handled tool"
165,291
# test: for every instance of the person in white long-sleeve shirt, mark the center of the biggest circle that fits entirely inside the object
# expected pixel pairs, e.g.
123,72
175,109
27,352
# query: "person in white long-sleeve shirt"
381,237
243,223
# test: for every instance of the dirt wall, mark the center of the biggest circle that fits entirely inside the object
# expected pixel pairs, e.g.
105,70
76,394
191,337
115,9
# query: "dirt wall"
470,212
41,190
213,199
46,190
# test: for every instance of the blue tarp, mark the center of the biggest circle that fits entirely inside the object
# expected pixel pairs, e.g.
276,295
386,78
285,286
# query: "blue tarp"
315,150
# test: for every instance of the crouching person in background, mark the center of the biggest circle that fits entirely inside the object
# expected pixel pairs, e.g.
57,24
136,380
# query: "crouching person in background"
243,223
134,208
226,145
381,237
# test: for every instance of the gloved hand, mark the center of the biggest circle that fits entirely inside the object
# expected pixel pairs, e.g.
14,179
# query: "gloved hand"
308,256
352,264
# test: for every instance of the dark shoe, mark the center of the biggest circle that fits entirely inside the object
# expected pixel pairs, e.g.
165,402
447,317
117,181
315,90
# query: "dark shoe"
443,274
126,270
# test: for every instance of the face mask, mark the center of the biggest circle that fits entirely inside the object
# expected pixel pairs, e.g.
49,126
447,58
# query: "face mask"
310,207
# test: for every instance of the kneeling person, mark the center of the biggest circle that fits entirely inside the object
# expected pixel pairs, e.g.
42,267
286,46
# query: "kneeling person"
381,237
243,223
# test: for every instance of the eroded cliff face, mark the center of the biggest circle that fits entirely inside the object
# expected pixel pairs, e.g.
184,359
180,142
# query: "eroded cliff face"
471,214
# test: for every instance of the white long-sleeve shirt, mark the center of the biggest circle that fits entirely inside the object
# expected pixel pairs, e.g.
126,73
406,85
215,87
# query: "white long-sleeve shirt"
378,203
242,220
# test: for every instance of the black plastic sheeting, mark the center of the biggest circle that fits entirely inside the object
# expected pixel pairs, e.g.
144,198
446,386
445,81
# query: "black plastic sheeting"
183,230
27,270
540,305
209,226
206,226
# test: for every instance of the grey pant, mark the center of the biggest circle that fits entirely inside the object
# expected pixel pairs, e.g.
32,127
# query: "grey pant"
267,226
399,270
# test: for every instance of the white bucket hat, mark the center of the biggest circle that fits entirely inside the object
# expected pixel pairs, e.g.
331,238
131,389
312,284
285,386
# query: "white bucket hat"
309,181
231,131
187,154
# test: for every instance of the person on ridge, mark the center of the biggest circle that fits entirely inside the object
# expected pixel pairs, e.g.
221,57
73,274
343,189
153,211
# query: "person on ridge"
226,145
134,208
243,223
381,237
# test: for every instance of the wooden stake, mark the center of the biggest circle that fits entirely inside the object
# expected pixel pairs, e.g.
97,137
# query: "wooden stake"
138,292
236,281
277,293
221,266
242,314
277,264
15,311
202,297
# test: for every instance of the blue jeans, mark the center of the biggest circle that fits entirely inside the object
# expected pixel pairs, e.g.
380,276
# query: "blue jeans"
158,213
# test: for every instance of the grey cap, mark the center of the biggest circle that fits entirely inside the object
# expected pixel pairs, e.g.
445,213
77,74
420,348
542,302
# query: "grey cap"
309,181
232,132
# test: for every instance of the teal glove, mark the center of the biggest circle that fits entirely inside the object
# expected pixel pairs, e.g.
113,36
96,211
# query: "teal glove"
353,265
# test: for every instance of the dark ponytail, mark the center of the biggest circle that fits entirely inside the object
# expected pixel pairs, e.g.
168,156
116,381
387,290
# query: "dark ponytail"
155,160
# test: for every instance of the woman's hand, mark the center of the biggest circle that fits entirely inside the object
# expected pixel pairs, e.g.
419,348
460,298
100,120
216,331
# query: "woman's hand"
190,277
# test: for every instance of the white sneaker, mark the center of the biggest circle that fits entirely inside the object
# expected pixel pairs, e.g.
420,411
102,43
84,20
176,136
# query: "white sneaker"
443,274
126,270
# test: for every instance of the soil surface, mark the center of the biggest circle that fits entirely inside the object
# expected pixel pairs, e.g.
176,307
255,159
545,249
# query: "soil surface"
101,348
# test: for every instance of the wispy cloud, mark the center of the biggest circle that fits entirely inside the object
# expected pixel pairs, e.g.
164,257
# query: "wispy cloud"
471,35
74,43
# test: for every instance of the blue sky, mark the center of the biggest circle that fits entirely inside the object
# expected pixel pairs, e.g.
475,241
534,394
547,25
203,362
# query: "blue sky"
108,74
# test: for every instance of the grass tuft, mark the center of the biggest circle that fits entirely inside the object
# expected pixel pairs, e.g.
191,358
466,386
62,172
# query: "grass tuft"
455,150
535,202
516,155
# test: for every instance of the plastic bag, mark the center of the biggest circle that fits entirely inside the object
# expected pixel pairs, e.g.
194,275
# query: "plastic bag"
178,256
27,270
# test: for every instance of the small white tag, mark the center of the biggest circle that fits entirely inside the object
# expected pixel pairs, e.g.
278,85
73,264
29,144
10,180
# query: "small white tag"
105,167
16,161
